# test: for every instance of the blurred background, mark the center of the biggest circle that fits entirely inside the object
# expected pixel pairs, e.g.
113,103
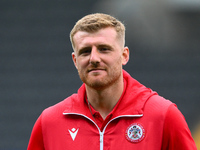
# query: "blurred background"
36,69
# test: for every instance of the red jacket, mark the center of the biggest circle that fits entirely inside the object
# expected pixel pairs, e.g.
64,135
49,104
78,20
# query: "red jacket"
140,120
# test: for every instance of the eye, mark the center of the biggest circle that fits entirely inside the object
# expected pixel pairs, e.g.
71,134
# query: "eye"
85,51
104,48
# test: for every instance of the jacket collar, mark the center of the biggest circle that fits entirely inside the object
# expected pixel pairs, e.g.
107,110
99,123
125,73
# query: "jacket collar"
132,102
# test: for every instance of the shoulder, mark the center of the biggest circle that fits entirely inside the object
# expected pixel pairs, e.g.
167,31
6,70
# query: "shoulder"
59,108
158,104
156,109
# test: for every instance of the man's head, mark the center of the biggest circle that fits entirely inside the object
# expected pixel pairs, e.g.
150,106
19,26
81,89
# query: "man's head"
99,52
94,22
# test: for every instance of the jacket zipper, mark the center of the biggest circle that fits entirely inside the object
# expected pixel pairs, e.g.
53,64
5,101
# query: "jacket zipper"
102,133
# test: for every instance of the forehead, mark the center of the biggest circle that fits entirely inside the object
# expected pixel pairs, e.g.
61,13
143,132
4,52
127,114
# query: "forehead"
103,36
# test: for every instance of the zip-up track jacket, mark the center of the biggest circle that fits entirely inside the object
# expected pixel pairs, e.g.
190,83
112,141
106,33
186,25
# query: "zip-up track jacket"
141,120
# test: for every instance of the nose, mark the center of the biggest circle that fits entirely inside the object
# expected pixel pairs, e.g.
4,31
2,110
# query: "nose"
94,56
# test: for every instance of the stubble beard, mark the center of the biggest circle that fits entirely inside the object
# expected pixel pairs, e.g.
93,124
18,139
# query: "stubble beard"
113,76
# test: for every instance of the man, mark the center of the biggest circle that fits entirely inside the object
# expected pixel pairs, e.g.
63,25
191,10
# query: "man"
111,109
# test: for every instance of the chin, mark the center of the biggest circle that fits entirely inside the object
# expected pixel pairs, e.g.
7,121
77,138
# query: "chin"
96,84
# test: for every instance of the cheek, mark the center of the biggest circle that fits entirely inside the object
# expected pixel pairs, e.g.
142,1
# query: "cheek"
81,63
116,60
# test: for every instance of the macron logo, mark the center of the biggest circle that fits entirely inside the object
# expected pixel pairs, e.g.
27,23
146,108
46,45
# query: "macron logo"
73,132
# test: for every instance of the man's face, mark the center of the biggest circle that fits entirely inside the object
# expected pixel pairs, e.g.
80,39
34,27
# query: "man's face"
99,57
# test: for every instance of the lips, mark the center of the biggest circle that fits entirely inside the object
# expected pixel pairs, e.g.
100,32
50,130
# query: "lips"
96,69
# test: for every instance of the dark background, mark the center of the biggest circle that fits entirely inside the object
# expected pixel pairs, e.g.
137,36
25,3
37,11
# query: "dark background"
36,69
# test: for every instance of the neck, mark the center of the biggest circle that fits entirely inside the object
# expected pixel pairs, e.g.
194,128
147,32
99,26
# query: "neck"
104,100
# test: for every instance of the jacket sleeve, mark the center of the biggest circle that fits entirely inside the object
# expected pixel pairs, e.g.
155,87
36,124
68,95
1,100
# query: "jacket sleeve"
36,139
176,133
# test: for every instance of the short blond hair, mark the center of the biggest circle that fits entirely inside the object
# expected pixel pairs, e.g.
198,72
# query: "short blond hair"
94,22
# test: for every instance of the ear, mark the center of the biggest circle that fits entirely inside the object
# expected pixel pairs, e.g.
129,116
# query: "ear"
74,59
125,56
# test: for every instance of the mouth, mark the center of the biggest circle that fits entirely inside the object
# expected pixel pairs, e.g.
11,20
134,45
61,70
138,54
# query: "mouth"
96,70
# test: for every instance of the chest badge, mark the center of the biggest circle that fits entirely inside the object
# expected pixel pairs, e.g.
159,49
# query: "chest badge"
135,133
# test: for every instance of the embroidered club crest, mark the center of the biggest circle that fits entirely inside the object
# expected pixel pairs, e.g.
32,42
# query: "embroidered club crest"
135,133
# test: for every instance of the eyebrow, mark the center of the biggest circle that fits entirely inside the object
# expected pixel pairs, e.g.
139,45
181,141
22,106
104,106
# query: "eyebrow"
104,45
